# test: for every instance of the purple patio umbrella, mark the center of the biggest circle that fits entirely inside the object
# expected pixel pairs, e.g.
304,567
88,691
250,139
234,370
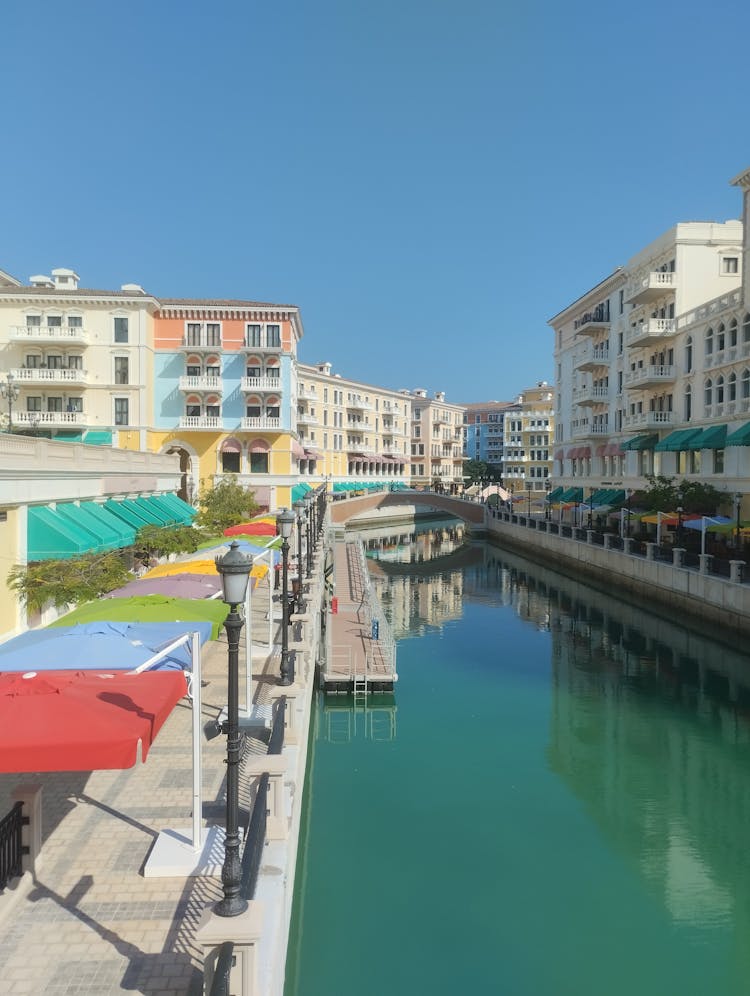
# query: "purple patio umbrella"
175,586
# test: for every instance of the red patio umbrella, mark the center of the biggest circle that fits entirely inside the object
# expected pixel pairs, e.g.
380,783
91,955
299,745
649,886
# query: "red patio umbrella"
82,720
252,529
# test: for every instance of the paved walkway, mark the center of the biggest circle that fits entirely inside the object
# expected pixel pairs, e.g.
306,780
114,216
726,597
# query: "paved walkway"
92,923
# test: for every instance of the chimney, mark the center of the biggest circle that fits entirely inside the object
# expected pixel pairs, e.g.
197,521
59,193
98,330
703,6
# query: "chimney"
41,281
65,279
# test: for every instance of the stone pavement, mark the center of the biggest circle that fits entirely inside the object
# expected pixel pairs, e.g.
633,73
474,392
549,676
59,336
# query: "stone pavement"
92,924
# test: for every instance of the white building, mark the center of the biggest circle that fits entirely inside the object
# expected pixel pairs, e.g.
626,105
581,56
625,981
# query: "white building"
652,356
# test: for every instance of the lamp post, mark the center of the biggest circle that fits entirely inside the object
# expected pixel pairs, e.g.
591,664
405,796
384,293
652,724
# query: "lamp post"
737,508
310,506
591,495
547,489
284,523
234,568
528,504
629,494
10,390
679,525
301,509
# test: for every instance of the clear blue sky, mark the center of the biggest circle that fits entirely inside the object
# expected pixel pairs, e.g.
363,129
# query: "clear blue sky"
429,181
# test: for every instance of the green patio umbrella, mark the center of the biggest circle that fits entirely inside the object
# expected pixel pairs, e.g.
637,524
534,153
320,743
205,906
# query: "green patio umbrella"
149,608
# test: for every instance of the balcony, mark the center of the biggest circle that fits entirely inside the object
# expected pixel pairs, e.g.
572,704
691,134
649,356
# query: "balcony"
591,396
652,331
206,341
261,384
359,404
261,344
201,384
585,429
305,418
657,284
650,376
648,420
49,333
44,375
49,419
593,322
591,357
305,394
213,422
259,422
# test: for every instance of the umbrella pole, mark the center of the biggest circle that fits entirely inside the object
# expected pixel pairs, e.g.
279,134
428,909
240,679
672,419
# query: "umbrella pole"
197,774
248,652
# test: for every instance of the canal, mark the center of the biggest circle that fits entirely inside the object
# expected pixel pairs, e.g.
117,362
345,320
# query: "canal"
554,802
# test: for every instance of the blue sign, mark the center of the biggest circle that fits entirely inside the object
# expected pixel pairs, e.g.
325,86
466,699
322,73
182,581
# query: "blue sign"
375,629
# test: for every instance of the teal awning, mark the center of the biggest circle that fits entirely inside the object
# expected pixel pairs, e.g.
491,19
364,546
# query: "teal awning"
142,508
124,510
68,436
95,438
103,535
159,504
160,516
299,491
740,437
678,440
571,494
51,536
646,442
712,438
554,495
181,507
126,533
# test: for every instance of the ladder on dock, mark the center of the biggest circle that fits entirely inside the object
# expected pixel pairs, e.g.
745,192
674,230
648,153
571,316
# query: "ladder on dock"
359,688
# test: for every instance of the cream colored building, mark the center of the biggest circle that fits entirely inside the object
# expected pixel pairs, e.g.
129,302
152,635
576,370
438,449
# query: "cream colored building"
656,352
528,429
437,437
349,430
79,360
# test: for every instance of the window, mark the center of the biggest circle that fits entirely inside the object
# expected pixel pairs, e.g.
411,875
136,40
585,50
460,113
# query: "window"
273,335
732,387
54,362
622,301
253,411
192,411
193,334
34,404
730,264
213,371
718,461
689,355
32,362
720,339
230,462
688,403
273,411
54,404
746,383
122,411
193,370
746,328
75,363
74,405
709,392
54,321
252,336
33,321
272,373
121,370
252,371
720,391
213,334
75,322
733,332
709,341
121,330
213,411
259,463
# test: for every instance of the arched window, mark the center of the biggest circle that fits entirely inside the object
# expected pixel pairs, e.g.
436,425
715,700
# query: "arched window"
733,332
746,328
720,391
259,455
688,403
273,407
732,387
720,338
252,407
746,383
689,355
709,341
231,451
709,392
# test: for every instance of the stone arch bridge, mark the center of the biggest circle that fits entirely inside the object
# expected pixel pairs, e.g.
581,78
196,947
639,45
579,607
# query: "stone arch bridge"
344,509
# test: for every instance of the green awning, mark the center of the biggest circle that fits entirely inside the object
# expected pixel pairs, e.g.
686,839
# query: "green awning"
125,532
142,507
181,507
124,510
161,516
712,438
94,438
571,494
640,442
299,491
678,440
159,504
740,437
554,495
105,537
51,536
68,436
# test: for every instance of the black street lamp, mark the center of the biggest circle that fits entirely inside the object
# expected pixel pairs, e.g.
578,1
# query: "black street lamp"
301,511
284,523
528,505
547,489
591,495
737,508
10,390
310,506
234,568
629,494
679,525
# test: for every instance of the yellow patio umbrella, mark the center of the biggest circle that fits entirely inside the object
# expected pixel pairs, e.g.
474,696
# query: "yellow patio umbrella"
197,567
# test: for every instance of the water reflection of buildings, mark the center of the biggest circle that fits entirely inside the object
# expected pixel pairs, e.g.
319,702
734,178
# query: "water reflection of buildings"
344,720
650,728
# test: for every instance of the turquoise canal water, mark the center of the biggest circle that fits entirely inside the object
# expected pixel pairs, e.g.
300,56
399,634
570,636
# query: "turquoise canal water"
556,800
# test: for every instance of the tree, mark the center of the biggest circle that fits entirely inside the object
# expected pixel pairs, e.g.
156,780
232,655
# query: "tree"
67,582
663,495
660,495
158,541
477,471
225,504
703,499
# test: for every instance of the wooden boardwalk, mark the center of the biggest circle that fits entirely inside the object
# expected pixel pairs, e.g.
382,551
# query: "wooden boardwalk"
356,661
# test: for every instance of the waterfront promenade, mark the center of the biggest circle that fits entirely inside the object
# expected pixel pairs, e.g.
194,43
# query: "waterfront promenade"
92,924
